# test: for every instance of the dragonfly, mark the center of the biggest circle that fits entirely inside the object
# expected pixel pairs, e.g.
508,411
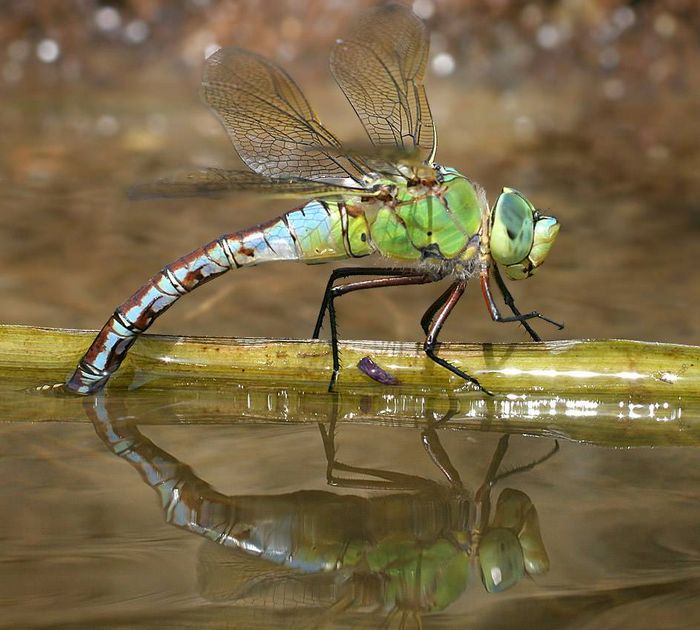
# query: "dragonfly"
428,221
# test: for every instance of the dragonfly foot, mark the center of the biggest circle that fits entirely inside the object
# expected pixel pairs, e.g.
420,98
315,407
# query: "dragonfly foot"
531,315
551,321
455,370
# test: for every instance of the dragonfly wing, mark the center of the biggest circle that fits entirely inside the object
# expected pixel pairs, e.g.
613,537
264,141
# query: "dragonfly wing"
270,122
216,182
380,67
227,574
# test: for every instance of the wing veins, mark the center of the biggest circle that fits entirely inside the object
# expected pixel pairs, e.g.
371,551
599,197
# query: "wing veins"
398,91
256,99
380,66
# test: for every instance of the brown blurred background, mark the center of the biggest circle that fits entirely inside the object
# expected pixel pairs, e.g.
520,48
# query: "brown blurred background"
590,108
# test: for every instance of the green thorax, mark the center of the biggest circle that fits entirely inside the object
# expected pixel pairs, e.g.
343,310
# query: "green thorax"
428,219
422,577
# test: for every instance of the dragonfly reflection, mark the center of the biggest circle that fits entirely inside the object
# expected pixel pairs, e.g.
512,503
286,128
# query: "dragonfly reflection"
403,554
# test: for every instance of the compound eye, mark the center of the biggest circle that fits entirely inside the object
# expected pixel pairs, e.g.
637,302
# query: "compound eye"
501,560
512,229
546,230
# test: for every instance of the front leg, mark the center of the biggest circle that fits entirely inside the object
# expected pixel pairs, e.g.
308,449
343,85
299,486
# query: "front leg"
429,314
510,303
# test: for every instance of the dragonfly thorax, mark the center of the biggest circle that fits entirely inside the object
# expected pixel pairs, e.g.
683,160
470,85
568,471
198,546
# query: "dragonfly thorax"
434,218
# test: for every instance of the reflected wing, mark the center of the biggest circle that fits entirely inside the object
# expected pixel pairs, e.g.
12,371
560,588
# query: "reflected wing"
270,122
215,182
380,68
226,574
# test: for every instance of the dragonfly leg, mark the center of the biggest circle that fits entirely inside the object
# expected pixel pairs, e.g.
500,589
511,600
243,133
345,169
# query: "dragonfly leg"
346,272
434,448
530,466
437,453
429,314
510,303
482,497
391,278
384,479
430,345
483,494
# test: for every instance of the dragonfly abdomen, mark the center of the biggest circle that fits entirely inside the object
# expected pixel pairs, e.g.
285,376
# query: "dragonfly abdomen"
325,231
269,241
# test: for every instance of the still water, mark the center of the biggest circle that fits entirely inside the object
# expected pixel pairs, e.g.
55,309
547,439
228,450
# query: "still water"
150,510
130,511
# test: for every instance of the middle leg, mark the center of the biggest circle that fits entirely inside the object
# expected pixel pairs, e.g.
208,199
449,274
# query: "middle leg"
440,317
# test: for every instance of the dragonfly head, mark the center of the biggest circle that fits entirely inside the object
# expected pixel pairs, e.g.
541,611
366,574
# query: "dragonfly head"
520,237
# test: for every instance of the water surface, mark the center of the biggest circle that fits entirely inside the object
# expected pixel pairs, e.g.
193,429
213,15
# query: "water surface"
136,513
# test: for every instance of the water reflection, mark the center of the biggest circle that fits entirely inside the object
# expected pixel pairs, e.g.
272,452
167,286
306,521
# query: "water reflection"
411,551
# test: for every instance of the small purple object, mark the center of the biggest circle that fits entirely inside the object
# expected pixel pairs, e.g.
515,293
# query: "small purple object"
371,369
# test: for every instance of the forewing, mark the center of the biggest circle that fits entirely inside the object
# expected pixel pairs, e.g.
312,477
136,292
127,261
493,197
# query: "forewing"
269,120
380,67
226,574
216,182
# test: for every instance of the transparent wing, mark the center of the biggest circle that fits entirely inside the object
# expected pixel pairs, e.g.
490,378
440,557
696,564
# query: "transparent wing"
380,67
226,574
385,159
270,122
216,182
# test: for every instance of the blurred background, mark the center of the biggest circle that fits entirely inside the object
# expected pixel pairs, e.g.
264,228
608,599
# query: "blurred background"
588,107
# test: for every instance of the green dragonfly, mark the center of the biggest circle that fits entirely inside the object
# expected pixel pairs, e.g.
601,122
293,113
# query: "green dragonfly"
430,221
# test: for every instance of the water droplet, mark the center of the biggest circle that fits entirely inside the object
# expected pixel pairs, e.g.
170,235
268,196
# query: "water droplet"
210,49
623,17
